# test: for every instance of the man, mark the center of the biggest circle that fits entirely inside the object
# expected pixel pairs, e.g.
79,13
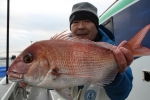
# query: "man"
84,24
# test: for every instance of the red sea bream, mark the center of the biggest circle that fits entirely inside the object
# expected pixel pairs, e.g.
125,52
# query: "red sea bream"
64,61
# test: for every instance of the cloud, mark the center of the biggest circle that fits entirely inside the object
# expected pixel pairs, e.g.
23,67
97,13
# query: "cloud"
34,20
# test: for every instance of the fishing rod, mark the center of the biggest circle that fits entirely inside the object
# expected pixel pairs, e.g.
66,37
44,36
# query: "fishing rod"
7,43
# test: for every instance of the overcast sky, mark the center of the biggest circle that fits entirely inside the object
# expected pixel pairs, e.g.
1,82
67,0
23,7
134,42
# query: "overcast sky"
34,20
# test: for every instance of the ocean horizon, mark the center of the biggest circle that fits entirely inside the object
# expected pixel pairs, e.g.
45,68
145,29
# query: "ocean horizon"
3,62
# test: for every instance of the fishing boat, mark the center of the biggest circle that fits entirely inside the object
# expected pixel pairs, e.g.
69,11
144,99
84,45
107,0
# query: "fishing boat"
124,18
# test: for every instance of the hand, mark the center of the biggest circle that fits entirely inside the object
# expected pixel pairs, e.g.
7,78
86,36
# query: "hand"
123,56
23,85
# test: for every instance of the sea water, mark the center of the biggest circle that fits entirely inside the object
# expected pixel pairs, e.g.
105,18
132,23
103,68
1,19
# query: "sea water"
3,62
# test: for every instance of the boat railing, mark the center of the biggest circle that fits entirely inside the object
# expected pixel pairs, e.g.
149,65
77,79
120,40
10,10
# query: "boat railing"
12,91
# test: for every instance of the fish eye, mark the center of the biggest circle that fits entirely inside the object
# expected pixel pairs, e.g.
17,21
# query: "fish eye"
28,58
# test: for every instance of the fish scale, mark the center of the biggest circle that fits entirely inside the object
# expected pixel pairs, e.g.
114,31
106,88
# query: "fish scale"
85,61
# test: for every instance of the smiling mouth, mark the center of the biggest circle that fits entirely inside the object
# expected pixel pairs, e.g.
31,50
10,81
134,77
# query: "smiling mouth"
81,34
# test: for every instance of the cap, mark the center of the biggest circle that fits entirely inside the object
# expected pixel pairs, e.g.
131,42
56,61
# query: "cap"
84,10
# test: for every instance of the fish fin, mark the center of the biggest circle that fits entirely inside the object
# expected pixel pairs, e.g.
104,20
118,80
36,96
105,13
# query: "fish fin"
61,35
67,36
109,78
54,72
134,44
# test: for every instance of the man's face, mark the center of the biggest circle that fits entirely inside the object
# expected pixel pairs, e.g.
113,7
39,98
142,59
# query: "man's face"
84,29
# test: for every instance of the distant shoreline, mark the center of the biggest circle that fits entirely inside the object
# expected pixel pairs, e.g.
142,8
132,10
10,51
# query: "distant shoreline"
3,58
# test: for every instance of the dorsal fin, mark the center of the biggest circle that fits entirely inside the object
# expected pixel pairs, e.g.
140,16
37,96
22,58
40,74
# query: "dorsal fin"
61,35
67,37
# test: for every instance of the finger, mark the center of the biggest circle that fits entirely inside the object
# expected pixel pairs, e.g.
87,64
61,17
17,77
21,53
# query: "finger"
127,54
121,60
122,43
23,85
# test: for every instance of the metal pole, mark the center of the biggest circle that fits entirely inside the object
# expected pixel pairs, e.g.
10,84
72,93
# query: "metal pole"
7,45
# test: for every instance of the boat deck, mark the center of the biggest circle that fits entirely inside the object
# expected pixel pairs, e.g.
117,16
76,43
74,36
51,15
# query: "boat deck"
12,91
6,89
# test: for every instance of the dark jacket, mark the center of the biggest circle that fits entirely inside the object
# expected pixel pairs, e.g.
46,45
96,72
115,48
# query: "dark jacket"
120,88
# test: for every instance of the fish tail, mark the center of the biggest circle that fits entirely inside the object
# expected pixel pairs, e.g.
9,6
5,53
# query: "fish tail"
134,45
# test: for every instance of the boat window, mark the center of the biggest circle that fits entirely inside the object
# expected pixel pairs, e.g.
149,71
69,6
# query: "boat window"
109,24
146,75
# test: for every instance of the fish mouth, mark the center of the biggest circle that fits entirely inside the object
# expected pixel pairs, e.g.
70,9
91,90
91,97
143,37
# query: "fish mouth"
13,76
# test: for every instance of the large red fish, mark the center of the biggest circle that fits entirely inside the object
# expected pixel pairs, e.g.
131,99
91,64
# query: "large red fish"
64,62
